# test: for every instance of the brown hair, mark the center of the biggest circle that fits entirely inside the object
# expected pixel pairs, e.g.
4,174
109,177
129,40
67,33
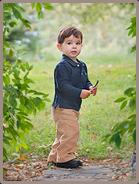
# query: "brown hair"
67,32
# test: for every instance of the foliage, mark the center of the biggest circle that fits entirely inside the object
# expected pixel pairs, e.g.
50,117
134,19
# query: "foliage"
19,30
40,8
129,124
39,43
90,13
129,99
132,31
20,100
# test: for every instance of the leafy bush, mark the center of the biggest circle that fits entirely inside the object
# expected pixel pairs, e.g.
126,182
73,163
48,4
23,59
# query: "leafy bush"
129,99
128,125
19,102
19,99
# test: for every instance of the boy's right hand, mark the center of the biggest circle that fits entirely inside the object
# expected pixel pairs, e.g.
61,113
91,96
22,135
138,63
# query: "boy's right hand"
85,94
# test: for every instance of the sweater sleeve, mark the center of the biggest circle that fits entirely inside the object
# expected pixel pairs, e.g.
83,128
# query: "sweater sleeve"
88,83
63,84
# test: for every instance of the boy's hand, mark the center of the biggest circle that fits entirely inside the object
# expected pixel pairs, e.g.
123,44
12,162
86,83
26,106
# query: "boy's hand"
93,90
85,93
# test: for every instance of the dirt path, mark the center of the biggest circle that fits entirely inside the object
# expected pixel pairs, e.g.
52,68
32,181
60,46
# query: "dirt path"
92,172
37,170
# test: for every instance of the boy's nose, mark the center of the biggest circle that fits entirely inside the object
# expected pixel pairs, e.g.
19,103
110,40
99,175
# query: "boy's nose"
74,45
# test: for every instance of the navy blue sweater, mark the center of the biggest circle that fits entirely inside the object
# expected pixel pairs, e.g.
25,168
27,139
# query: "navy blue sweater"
70,78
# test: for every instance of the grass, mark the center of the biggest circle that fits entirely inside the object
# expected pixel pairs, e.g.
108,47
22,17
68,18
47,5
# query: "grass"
97,115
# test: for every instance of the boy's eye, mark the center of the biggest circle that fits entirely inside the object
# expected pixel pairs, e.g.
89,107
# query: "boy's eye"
69,43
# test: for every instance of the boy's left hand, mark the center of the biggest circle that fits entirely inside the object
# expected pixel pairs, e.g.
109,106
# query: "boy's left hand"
93,90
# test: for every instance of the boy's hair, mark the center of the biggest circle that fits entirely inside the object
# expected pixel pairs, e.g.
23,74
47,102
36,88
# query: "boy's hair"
67,32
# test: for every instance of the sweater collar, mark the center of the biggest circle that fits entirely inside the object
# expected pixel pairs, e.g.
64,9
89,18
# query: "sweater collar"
69,60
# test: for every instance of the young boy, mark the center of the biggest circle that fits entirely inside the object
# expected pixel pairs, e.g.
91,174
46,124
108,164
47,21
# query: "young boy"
71,86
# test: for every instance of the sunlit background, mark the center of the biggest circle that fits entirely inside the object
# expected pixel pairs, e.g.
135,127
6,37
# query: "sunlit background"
107,53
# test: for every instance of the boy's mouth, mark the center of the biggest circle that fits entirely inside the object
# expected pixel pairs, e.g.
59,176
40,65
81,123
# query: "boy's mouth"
73,52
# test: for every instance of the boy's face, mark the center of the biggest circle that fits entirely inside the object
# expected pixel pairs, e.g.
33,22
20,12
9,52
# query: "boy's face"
71,46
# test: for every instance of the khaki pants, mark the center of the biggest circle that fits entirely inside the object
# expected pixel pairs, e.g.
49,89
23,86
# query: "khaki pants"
67,134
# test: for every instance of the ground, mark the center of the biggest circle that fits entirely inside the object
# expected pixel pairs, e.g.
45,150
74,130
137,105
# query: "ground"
36,169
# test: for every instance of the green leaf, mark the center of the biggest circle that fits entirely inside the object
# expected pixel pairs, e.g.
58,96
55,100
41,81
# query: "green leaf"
106,137
12,100
121,127
5,107
123,104
18,7
40,15
41,106
38,7
133,20
29,105
39,103
17,13
132,103
130,31
132,125
12,23
48,6
7,140
5,153
26,23
26,125
38,93
120,99
18,124
6,79
134,136
33,5
11,52
133,116
13,132
117,139
22,113
130,91
22,100
133,49
132,27
24,145
30,67
27,80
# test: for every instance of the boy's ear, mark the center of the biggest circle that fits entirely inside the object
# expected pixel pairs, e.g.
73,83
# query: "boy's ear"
58,46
